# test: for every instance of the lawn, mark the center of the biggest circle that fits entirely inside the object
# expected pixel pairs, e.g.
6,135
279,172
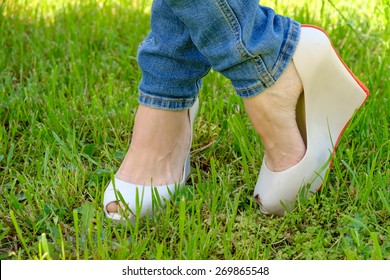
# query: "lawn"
68,96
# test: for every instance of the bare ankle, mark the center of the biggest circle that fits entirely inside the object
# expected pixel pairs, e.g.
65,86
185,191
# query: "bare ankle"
273,114
158,148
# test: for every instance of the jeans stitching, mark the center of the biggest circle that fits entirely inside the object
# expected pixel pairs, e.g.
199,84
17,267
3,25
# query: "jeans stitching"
235,26
144,42
261,84
263,73
164,99
284,51
245,92
166,104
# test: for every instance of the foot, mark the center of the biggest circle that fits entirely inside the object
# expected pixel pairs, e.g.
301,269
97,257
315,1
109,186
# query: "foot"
158,149
273,114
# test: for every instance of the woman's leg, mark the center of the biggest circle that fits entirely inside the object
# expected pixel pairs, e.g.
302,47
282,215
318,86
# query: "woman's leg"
273,114
253,47
172,69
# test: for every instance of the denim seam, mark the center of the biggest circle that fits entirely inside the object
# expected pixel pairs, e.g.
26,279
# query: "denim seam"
271,75
277,65
165,103
164,99
146,41
261,84
251,91
262,71
286,47
235,27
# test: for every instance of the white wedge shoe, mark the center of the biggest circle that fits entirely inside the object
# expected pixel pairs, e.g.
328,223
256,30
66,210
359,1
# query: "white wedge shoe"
332,94
145,200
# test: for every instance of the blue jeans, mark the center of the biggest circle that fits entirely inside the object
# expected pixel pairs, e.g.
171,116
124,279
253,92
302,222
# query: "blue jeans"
247,43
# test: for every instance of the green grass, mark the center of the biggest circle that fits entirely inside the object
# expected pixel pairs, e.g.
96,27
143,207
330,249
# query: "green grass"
68,94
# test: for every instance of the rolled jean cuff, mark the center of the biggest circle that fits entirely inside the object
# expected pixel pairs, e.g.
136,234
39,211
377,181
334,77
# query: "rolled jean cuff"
262,77
165,103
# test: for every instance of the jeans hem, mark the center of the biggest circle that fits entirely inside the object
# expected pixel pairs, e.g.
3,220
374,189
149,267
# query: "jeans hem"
165,103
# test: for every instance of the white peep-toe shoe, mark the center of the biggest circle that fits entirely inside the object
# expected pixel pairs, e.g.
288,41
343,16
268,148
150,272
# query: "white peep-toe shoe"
145,200
331,96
